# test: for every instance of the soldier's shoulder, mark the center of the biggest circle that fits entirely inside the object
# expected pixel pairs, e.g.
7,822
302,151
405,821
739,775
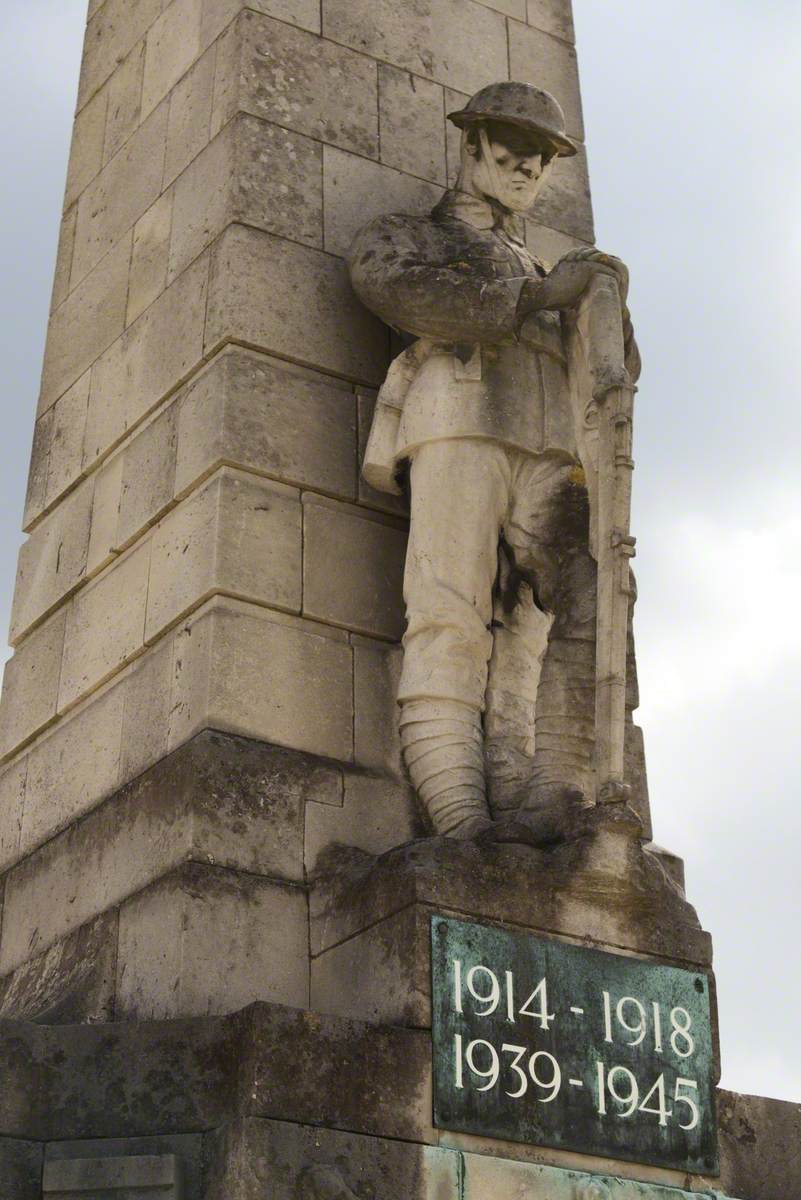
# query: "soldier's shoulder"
390,231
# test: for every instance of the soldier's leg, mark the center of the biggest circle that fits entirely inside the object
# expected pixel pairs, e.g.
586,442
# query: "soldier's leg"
550,530
459,493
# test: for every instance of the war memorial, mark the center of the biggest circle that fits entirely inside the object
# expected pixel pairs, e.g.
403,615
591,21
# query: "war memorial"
327,866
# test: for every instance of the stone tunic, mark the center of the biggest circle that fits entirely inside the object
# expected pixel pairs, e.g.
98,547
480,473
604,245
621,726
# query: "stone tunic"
453,279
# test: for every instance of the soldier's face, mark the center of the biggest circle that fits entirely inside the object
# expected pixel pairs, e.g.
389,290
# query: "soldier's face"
518,169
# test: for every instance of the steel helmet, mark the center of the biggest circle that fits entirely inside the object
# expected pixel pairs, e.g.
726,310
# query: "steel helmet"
518,104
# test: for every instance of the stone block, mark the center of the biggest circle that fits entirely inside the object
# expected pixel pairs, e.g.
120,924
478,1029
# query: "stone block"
353,567
105,625
459,43
127,1177
510,8
173,45
124,101
486,1174
286,1161
122,192
376,814
760,1146
239,535
20,1169
370,496
12,800
205,941
30,683
111,34
536,57
70,769
552,16
37,470
88,321
86,148
66,443
303,82
255,173
189,123
153,356
411,112
219,13
66,244
146,712
105,514
376,672
552,891
53,560
186,1150
565,203
549,244
270,417
356,190
148,476
149,257
382,974
317,322
259,673
70,982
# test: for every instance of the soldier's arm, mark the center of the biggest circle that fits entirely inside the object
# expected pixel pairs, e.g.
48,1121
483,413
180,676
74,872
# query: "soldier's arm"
393,276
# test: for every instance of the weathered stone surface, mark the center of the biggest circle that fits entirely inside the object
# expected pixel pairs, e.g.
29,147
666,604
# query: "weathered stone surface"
187,1151
173,45
30,683
552,16
287,1161
239,535
549,245
760,1147
352,567
253,172
105,514
111,34
124,101
376,814
204,940
189,124
454,101
88,321
263,674
66,443
37,471
154,355
411,112
486,1175
127,1176
376,671
270,417
66,244
318,322
356,190
71,768
511,8
148,477
121,193
105,625
53,560
20,1169
556,891
146,711
535,57
12,799
149,257
86,150
302,82
456,42
71,982
565,203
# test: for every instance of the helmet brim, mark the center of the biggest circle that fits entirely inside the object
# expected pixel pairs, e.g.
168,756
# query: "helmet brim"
464,117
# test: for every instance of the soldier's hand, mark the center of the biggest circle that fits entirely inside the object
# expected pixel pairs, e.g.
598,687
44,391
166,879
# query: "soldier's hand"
562,287
590,254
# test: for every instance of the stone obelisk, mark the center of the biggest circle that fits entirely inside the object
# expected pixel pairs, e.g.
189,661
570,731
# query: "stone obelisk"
199,717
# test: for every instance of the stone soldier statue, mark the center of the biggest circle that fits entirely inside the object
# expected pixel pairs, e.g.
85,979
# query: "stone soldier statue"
497,689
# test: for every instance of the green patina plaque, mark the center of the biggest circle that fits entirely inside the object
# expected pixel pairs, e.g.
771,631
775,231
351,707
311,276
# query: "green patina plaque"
542,1041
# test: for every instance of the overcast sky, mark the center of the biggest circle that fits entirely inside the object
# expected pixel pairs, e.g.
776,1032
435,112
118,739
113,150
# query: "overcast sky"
693,114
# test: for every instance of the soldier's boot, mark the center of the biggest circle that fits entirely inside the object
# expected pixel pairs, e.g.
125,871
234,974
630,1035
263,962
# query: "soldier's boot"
442,750
564,737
